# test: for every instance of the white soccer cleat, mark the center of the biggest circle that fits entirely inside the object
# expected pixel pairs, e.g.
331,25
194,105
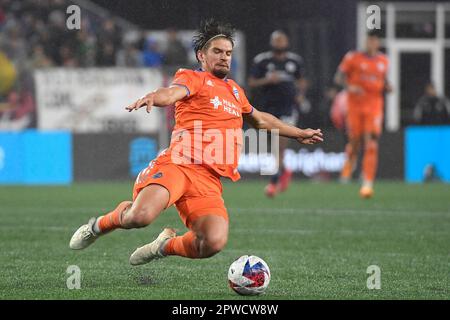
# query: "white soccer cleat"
152,251
84,236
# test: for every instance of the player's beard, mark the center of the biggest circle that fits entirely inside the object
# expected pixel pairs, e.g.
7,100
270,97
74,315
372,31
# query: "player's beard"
220,73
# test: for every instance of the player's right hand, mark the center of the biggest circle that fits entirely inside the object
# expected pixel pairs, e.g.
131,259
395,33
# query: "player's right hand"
273,78
146,100
355,89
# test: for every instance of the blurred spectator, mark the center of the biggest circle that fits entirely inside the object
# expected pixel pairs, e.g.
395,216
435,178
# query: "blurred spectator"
432,109
175,55
129,56
110,33
39,58
2,18
151,55
106,56
8,74
17,109
58,35
14,46
109,40
67,57
18,112
85,48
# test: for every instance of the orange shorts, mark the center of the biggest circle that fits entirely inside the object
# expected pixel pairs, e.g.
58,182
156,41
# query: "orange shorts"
194,189
360,123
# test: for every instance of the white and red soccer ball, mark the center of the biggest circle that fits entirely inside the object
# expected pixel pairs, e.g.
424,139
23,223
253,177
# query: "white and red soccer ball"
249,275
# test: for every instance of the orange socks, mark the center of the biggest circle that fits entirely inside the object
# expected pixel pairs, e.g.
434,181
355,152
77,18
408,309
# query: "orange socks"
112,220
184,246
370,161
349,164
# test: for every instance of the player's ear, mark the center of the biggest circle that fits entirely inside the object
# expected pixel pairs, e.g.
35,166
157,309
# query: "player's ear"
200,56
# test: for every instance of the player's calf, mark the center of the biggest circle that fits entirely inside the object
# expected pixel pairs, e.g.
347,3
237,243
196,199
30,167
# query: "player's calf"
195,246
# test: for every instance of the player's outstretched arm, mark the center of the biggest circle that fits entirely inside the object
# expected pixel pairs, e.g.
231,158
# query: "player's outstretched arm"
264,120
340,78
161,97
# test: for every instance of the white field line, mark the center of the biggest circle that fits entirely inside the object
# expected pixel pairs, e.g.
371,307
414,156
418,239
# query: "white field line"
38,228
281,231
250,210
330,211
262,231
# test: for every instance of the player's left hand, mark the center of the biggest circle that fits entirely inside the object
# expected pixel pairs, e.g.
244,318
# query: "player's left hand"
310,136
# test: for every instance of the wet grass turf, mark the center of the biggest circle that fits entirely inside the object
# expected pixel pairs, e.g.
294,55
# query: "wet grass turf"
318,240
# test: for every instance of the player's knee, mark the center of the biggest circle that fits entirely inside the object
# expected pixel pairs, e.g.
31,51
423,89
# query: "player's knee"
140,216
372,143
214,244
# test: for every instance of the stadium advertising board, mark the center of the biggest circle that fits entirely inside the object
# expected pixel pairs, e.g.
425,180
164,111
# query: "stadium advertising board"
32,157
325,161
103,157
93,100
122,156
427,153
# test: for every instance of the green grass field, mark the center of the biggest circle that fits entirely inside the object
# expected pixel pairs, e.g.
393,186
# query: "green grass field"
318,240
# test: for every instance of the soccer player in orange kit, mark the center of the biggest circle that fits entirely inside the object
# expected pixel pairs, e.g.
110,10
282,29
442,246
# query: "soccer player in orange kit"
364,76
207,104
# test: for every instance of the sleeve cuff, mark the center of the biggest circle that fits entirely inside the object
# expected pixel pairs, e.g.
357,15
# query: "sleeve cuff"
182,85
250,111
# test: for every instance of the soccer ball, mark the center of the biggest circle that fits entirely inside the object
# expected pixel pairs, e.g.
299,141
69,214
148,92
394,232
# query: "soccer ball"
249,275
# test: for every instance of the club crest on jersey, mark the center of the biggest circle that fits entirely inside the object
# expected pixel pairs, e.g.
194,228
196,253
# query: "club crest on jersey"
236,93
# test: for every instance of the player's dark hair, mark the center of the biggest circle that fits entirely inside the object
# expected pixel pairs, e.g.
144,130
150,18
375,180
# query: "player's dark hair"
374,33
210,29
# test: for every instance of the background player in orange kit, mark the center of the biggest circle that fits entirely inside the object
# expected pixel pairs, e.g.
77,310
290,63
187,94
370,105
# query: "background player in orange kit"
207,104
364,76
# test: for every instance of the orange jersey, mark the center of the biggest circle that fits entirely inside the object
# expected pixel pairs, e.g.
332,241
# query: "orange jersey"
208,122
369,73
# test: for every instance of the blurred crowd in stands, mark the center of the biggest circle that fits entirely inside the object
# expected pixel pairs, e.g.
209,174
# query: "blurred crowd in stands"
33,34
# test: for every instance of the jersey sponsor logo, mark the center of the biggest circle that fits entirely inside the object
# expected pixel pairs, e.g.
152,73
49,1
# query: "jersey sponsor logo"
215,102
228,106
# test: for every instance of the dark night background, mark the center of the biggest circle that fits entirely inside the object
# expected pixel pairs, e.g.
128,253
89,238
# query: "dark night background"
320,30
